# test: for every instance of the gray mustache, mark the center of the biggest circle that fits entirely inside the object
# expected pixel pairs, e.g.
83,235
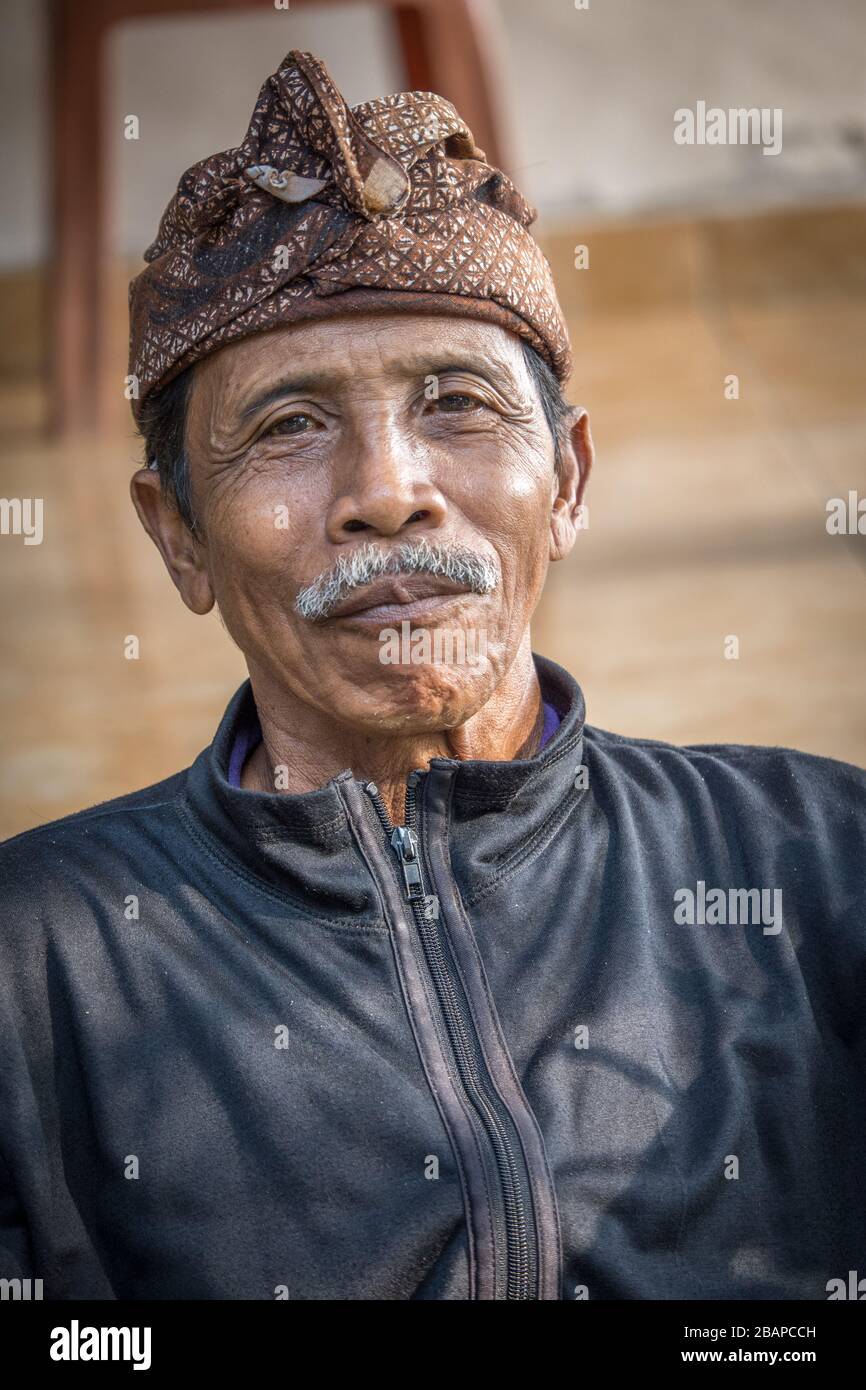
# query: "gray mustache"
317,600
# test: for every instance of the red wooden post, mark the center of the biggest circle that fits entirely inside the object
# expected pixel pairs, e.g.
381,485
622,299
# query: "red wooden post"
76,254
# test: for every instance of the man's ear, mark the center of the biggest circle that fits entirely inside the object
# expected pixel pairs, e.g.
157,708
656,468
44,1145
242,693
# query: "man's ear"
182,554
568,514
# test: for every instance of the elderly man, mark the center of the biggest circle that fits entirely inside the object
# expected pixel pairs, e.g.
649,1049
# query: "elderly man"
414,985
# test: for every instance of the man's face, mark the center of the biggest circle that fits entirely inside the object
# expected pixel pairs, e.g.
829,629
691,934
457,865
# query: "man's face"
313,440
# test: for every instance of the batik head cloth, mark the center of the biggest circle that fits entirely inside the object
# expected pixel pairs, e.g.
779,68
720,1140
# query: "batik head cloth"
324,209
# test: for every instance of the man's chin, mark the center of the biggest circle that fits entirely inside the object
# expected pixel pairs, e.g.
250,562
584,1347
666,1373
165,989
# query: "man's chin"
409,700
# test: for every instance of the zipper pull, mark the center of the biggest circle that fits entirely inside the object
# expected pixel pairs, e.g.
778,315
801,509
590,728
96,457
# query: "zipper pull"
405,845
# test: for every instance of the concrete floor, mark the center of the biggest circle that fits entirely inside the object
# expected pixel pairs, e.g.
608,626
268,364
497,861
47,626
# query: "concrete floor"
707,519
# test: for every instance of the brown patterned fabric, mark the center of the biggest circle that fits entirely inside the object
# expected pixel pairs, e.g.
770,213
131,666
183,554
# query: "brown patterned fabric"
325,208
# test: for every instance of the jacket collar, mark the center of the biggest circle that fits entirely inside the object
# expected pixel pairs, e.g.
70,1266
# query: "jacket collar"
303,847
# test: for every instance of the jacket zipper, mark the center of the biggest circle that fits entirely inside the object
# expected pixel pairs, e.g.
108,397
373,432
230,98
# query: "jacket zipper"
405,842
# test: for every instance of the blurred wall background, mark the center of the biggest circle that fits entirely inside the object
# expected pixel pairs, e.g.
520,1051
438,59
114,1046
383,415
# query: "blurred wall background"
707,512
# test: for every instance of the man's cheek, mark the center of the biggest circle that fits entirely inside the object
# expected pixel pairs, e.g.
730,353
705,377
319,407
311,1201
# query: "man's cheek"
261,499
260,535
252,581
516,508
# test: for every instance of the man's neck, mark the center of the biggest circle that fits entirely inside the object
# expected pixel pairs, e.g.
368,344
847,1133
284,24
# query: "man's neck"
302,749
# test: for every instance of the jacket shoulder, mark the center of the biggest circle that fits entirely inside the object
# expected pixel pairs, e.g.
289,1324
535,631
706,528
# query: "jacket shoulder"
755,753
751,772
63,878
105,820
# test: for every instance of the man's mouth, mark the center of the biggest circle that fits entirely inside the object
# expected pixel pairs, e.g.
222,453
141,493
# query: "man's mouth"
394,598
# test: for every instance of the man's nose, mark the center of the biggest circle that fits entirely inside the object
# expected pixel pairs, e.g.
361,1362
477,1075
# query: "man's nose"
385,487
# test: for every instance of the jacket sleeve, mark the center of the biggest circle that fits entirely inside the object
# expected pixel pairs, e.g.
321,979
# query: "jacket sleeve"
16,1260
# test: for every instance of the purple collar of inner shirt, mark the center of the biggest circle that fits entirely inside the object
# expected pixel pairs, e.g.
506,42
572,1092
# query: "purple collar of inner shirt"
250,735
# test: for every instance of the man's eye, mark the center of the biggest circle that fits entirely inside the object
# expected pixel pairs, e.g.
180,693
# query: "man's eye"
290,424
455,401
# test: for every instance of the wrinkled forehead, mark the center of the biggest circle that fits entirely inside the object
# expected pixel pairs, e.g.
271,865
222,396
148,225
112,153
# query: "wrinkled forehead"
339,356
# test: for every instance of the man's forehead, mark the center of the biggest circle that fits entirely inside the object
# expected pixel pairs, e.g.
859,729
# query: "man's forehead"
338,353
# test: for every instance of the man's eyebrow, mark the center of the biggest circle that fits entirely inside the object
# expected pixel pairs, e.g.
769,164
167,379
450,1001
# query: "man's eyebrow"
291,386
440,366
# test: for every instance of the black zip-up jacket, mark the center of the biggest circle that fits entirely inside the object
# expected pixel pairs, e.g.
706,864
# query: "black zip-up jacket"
260,1046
